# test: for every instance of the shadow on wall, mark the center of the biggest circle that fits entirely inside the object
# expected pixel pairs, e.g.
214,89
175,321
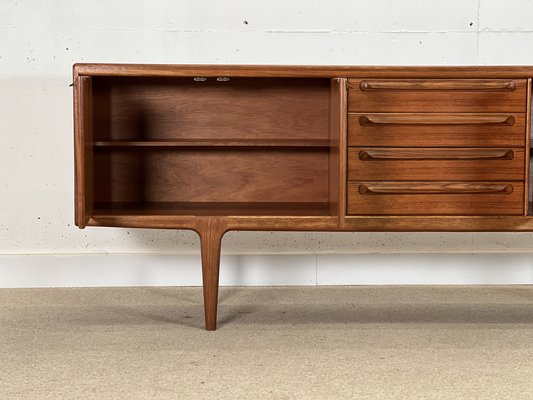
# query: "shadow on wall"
244,242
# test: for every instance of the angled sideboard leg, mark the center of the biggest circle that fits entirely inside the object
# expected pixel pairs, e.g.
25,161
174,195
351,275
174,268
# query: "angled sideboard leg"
210,231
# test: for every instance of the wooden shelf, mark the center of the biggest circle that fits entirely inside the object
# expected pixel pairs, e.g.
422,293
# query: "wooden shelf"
320,143
212,208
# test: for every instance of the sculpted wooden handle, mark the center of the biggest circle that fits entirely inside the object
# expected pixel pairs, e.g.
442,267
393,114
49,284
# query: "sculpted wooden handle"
436,119
435,154
439,84
370,188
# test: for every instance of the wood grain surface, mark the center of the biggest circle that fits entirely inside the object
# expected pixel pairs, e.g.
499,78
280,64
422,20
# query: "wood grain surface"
472,164
438,84
337,156
528,195
325,143
411,130
435,198
438,100
303,71
83,151
181,108
210,231
207,175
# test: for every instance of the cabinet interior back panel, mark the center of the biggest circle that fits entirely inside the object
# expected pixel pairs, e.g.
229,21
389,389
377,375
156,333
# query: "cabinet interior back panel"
128,108
204,175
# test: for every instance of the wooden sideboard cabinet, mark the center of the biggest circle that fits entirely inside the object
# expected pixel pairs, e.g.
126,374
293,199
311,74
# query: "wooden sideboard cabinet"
215,148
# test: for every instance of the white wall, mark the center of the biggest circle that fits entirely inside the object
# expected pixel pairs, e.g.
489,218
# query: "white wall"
40,40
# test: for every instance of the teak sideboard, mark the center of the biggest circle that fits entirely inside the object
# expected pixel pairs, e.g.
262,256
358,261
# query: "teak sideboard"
215,148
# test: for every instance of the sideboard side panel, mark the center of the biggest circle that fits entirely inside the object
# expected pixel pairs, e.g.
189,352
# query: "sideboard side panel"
83,143
527,186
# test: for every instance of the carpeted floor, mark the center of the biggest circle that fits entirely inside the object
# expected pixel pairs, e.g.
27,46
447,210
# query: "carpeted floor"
408,342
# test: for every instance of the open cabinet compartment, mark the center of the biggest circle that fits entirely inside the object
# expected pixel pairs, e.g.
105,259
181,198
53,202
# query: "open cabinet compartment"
185,146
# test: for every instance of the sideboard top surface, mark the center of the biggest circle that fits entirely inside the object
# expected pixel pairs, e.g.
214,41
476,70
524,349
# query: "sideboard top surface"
303,71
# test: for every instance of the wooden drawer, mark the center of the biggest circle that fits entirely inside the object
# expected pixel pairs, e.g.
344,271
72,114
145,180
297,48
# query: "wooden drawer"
434,164
435,198
437,95
436,129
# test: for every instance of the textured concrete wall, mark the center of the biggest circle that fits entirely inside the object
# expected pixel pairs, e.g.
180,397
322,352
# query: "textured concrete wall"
39,41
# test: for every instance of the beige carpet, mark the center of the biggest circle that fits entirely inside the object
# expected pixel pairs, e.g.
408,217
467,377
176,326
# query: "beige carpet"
273,343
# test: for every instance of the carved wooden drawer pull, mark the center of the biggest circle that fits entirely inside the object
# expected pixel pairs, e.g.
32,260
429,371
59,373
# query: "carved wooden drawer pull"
436,119
435,154
434,188
439,84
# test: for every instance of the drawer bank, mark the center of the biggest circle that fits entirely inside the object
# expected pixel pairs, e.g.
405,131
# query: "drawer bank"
308,148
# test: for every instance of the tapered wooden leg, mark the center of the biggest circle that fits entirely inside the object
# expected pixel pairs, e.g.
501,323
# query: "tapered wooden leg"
210,239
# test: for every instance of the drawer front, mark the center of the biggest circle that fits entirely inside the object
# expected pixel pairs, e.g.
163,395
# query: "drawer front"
437,95
436,129
435,198
471,164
